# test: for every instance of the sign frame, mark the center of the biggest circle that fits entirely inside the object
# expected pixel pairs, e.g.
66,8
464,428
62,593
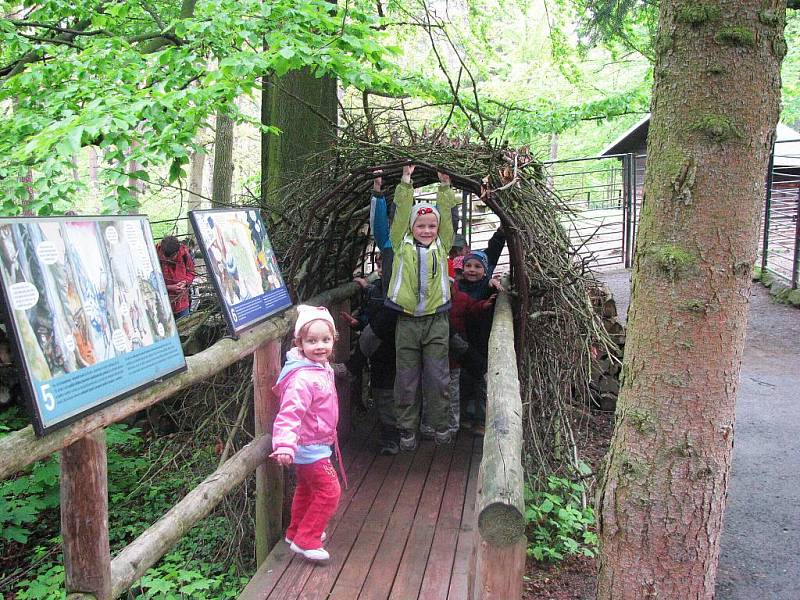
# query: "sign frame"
35,400
258,303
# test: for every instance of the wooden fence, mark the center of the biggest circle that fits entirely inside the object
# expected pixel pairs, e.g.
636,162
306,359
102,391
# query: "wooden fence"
90,572
496,568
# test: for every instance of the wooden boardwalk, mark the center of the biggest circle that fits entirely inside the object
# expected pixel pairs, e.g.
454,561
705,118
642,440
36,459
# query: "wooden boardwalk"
404,530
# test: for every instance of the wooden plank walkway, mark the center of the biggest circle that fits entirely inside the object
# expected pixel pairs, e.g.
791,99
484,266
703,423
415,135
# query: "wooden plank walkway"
404,530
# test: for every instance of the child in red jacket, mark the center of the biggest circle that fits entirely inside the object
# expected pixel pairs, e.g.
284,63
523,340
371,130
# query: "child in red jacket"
463,310
305,429
177,267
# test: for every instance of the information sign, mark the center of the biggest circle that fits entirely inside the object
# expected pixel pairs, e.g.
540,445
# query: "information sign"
89,311
241,263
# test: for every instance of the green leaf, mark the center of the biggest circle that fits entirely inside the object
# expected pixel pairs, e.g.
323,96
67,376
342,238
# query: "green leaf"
15,534
141,175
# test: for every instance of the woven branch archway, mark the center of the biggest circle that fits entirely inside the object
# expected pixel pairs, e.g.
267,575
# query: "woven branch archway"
322,223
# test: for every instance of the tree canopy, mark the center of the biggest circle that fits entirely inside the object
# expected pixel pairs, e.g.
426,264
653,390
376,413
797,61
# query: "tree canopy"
139,78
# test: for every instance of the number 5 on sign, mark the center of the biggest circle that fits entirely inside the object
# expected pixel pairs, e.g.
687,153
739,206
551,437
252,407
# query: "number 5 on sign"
47,396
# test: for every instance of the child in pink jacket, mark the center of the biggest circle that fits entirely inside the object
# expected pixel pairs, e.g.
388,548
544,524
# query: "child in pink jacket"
305,429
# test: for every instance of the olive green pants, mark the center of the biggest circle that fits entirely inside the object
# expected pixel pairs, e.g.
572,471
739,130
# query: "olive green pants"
421,345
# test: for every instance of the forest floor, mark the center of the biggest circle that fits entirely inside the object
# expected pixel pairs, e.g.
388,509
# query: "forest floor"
761,534
573,578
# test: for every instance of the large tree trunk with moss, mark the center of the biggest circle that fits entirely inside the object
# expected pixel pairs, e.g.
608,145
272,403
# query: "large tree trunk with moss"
304,108
714,110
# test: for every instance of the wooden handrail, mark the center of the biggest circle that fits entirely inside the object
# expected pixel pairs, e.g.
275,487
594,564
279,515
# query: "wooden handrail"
500,539
92,571
141,554
22,448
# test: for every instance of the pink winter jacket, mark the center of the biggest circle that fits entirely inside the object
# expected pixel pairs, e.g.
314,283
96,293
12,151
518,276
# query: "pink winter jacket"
309,410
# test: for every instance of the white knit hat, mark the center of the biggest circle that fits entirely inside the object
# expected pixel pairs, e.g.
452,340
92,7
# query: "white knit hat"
423,208
306,314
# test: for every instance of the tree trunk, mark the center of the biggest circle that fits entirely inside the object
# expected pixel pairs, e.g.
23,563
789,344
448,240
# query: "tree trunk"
223,162
304,108
553,156
714,110
197,163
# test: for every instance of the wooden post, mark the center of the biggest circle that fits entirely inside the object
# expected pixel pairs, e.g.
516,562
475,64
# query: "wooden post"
499,570
340,354
84,516
498,565
269,475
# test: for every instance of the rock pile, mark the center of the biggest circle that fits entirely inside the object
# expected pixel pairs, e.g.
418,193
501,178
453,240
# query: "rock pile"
606,361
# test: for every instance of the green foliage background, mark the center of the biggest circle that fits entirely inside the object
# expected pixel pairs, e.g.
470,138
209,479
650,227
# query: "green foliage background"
139,82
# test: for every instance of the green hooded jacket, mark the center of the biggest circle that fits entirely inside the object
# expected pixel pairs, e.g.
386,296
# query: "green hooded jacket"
420,284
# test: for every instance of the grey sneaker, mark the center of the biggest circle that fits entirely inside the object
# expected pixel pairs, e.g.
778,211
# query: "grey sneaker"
408,441
389,448
443,437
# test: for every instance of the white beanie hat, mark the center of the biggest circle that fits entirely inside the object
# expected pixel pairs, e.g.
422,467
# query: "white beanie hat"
306,314
423,208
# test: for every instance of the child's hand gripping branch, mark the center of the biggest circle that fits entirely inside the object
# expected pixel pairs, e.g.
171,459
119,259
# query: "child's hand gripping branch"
408,171
282,458
496,284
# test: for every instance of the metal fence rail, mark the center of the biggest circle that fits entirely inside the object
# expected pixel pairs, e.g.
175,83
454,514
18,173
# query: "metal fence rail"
604,198
600,196
780,237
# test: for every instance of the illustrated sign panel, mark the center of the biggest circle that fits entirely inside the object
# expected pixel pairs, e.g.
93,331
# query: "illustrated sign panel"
88,306
242,265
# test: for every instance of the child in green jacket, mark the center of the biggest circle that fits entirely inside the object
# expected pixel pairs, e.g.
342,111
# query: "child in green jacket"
420,291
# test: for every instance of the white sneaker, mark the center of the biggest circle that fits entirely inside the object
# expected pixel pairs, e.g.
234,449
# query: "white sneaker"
322,538
317,554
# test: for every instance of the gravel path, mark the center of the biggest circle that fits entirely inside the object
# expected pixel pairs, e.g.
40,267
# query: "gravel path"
760,557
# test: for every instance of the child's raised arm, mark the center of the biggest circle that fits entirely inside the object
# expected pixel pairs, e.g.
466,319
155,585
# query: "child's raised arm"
379,213
445,200
404,200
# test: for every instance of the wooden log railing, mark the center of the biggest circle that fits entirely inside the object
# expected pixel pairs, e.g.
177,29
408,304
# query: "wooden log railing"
90,572
498,563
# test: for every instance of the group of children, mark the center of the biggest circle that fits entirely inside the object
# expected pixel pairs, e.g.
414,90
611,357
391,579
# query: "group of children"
422,321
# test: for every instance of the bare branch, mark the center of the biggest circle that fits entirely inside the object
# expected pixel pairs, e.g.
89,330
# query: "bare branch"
44,40
151,10
76,32
478,127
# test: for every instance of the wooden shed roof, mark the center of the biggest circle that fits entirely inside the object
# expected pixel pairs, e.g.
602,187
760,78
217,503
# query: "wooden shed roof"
787,143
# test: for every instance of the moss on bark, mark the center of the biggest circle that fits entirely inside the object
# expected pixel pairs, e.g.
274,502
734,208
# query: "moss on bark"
641,420
740,37
671,260
696,14
779,47
770,17
718,128
696,306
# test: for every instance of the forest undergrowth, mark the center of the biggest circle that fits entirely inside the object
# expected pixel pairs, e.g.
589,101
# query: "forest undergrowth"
152,464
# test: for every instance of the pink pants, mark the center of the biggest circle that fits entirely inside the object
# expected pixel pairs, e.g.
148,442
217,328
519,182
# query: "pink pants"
315,500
